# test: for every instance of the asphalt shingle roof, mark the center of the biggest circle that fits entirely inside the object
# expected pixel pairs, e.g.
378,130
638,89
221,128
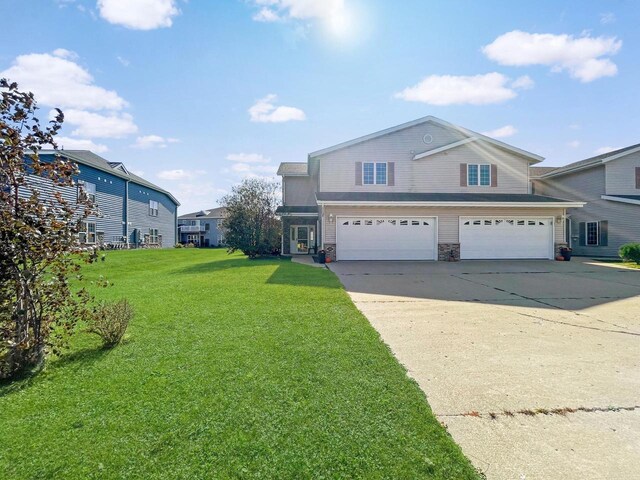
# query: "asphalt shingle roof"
597,160
86,157
292,168
433,197
217,212
296,209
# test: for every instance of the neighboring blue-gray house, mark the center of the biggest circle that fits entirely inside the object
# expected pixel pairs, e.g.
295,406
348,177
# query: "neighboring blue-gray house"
132,212
203,228
610,186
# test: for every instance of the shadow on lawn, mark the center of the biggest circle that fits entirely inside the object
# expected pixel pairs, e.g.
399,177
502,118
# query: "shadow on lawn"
286,272
80,359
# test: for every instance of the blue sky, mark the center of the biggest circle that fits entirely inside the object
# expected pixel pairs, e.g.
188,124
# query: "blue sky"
195,95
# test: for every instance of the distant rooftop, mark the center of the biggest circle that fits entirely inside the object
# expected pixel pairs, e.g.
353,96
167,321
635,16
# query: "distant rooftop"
217,212
586,163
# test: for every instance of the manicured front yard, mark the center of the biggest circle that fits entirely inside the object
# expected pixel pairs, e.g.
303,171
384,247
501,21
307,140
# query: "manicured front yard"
232,369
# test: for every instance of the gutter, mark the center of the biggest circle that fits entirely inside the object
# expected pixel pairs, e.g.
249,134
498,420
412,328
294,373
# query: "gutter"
620,199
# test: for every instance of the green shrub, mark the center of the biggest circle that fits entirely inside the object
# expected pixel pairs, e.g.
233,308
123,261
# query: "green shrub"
178,245
110,321
630,252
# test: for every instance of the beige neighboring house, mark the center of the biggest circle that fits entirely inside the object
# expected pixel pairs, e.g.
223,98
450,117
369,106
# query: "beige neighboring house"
610,186
423,190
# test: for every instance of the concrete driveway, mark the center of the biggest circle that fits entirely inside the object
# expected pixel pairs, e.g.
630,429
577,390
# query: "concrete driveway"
534,366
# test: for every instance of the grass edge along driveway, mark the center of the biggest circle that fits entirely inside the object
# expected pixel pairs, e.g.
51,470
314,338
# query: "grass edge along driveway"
232,368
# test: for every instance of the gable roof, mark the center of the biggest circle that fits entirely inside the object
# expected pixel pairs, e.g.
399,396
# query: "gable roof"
217,212
428,119
292,169
86,157
591,161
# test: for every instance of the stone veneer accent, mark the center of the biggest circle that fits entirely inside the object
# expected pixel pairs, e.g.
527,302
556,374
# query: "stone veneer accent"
445,249
330,250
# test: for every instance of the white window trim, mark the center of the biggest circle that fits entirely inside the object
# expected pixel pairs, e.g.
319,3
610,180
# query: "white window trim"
86,233
153,212
375,171
586,234
479,176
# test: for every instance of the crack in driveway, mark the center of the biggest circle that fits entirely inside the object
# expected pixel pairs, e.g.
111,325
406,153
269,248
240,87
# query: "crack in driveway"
532,412
546,304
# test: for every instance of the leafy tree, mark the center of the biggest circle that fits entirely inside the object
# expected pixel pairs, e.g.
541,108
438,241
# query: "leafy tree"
38,234
250,221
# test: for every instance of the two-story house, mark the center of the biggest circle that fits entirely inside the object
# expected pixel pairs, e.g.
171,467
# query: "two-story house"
610,186
423,190
203,228
131,211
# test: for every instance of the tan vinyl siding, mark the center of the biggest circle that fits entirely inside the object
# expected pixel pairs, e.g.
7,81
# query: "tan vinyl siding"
448,217
436,173
300,191
621,175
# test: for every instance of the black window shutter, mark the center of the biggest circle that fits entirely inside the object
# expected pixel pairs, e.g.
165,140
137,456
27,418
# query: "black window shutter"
582,228
358,173
604,233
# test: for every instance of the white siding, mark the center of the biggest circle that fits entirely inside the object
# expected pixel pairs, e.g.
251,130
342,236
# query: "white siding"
448,217
437,173
621,175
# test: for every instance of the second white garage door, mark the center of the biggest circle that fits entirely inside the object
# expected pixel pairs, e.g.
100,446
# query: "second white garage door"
386,238
488,238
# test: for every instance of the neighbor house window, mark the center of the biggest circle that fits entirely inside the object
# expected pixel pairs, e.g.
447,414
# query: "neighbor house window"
374,173
479,175
153,208
593,233
88,189
153,235
87,233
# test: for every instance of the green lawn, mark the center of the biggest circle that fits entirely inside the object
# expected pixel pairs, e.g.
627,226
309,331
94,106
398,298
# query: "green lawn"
231,369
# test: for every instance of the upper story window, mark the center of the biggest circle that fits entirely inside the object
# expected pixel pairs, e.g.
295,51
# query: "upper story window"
479,175
153,208
374,173
88,189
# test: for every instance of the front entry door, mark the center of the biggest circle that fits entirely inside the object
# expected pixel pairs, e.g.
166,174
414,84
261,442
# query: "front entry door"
302,238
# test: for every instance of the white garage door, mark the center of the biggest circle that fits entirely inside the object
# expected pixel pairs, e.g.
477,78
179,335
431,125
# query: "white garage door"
386,238
487,238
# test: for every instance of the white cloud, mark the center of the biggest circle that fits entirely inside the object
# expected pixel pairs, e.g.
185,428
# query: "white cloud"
574,143
90,124
80,144
524,82
502,132
299,9
64,53
606,18
123,61
264,110
603,150
580,56
153,141
460,90
139,173
139,14
58,81
575,126
251,170
266,15
179,174
248,158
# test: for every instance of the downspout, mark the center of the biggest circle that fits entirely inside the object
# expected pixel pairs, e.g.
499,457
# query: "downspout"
126,213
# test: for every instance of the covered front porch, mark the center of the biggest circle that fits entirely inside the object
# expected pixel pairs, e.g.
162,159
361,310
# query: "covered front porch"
300,228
